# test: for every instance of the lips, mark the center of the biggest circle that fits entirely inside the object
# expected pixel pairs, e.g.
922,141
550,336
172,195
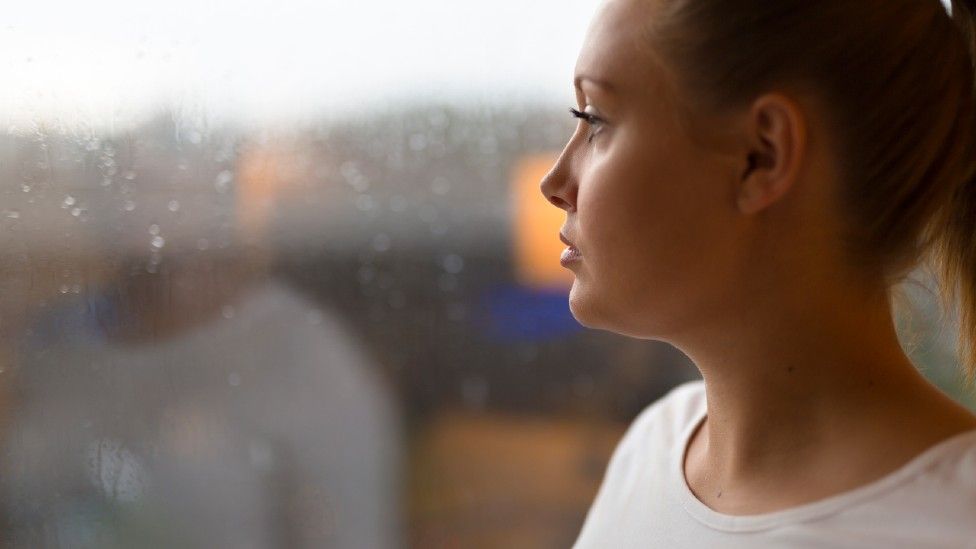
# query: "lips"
570,254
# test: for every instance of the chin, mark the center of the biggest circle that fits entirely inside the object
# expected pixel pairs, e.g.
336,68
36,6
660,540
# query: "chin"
594,314
584,308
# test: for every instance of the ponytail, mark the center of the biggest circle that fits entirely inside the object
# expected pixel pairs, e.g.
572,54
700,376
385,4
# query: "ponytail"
955,251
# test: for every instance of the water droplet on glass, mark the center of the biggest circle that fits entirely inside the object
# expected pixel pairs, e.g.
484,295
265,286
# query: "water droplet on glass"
227,312
174,205
76,211
350,172
315,317
129,205
381,242
129,175
154,229
261,454
11,214
158,242
398,203
64,289
437,119
440,186
68,202
366,274
222,183
453,264
438,228
26,188
234,379
418,142
364,203
348,169
203,244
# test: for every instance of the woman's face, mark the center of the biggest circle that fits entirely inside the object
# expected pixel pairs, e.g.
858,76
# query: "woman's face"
651,212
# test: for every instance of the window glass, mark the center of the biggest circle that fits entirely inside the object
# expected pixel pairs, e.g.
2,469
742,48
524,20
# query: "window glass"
279,274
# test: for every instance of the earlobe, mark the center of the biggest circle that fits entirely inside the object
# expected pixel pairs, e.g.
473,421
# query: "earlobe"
750,199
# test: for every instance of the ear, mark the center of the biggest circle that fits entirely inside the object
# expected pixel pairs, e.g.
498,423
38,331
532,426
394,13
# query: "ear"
776,135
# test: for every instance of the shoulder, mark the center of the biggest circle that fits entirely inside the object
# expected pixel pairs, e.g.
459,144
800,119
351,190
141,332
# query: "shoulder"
931,501
641,461
676,409
946,470
276,311
665,420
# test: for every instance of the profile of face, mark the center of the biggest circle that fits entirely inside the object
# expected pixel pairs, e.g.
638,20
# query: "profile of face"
650,207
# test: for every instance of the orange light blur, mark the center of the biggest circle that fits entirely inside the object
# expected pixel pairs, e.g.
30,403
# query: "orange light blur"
536,227
265,173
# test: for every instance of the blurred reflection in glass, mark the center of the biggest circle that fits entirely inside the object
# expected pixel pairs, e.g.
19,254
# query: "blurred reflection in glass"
190,399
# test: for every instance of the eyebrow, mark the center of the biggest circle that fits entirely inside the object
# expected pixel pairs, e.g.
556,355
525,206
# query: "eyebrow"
578,81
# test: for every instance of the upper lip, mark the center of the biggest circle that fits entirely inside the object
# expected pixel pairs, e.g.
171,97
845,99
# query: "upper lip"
566,240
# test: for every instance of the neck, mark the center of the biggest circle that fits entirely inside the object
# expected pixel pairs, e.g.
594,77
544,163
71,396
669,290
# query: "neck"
792,372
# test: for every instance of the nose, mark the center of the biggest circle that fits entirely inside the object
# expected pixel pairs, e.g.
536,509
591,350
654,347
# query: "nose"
557,185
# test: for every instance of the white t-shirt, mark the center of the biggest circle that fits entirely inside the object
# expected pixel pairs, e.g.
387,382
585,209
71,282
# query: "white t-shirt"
644,500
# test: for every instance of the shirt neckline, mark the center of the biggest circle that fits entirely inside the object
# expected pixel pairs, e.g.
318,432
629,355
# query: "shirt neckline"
806,511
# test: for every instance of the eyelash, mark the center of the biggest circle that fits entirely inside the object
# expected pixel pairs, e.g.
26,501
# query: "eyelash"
590,119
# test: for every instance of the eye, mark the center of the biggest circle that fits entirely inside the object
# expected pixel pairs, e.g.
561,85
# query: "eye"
592,120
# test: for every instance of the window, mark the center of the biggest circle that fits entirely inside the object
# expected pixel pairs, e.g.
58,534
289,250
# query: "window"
278,274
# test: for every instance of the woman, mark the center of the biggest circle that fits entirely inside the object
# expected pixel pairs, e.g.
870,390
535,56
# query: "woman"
749,182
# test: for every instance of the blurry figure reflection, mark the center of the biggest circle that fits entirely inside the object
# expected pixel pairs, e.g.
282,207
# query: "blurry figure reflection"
201,405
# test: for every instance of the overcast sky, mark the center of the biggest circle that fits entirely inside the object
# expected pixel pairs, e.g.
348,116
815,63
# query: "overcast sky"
280,59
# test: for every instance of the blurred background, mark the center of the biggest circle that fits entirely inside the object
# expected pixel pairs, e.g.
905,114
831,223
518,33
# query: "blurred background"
279,274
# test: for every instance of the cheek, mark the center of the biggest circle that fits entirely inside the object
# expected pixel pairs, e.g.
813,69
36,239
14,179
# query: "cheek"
640,205
653,224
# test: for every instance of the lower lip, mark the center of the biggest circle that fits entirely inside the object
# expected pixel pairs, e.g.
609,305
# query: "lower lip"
570,255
